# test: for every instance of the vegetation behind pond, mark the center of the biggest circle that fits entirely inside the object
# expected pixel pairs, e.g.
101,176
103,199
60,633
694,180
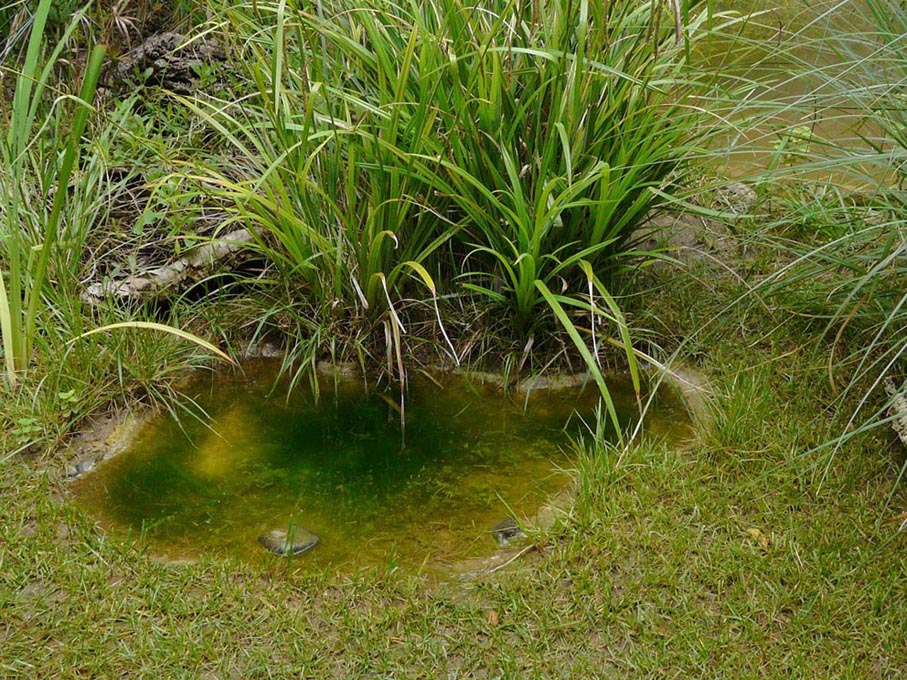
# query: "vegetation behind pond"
423,182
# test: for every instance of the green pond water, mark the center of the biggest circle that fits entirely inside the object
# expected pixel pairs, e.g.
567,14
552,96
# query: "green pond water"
342,466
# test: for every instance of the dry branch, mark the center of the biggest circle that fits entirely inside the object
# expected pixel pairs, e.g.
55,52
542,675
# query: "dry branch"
203,261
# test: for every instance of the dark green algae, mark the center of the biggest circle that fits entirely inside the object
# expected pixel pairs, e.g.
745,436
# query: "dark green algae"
343,466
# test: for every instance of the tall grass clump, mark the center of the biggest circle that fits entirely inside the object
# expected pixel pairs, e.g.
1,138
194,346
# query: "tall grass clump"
561,120
848,239
327,166
40,150
508,150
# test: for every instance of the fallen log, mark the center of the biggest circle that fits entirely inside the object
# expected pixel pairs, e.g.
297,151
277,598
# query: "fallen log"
201,262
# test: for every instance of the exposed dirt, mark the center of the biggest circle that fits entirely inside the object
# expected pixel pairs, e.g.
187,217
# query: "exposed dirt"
103,437
691,238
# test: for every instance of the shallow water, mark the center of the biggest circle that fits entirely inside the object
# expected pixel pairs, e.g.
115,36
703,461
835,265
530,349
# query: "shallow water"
779,49
342,467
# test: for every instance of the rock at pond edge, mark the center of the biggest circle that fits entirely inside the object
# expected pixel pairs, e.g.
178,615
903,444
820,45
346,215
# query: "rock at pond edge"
506,531
297,542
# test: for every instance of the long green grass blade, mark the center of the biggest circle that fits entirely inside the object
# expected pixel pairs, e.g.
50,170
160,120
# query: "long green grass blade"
162,328
591,362
70,159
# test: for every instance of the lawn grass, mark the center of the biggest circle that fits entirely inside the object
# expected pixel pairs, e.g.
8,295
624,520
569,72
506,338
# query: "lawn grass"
725,558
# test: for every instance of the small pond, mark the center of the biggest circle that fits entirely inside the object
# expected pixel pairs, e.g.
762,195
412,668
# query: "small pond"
342,466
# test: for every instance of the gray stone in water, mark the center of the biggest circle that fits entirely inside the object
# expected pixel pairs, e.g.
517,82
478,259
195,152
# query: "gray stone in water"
298,541
506,531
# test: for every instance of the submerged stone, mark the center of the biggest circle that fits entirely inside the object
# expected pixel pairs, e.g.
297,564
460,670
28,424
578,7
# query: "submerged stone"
506,531
298,541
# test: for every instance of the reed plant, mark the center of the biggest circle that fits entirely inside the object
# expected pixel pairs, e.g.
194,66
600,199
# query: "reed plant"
323,173
560,120
509,150
39,158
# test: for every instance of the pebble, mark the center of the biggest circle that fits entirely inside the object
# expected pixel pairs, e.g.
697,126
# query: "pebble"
297,542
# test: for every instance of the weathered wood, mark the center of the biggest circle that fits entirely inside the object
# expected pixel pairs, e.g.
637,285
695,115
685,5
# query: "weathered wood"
168,60
217,255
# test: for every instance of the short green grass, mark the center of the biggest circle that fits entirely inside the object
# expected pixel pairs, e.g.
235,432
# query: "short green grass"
726,558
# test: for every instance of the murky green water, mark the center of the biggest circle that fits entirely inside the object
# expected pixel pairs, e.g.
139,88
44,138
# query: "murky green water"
771,61
342,467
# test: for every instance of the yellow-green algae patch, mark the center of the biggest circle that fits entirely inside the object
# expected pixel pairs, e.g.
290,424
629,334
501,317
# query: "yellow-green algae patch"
342,465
